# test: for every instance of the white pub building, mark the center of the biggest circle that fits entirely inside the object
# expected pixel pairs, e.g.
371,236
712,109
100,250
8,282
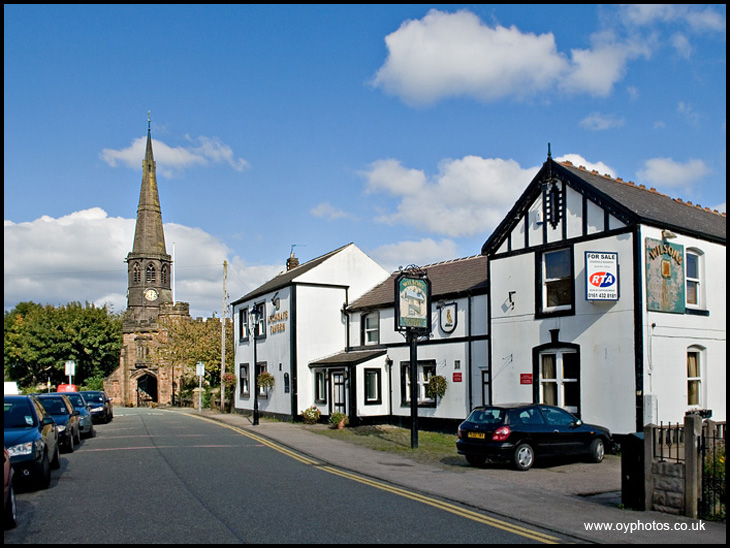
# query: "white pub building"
608,299
594,294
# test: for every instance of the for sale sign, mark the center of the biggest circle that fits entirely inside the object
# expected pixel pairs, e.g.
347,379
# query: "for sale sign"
601,276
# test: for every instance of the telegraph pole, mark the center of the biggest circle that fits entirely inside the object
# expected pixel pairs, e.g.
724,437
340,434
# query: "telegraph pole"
223,339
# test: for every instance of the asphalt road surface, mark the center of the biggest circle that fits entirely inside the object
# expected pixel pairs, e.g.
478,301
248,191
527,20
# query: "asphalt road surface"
155,476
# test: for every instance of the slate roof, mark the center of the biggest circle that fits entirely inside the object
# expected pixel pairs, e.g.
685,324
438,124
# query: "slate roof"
633,204
352,357
448,279
285,278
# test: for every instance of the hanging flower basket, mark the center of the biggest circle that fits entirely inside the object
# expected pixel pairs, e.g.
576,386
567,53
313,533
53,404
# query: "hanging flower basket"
265,380
436,387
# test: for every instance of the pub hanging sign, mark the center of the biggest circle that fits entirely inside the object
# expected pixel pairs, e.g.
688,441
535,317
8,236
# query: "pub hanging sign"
412,301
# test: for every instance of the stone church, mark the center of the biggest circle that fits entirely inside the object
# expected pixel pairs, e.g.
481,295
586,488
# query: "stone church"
140,380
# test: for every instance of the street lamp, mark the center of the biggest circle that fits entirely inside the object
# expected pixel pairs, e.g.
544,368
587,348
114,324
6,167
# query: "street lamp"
253,322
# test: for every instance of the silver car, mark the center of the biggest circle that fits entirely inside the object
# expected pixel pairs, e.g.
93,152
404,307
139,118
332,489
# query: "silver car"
86,424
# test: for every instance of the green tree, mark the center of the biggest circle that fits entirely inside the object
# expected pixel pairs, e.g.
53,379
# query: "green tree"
40,339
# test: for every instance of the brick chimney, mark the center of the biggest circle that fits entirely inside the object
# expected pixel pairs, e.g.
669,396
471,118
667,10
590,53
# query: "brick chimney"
291,262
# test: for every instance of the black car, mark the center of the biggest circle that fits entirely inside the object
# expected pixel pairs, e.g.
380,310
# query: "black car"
99,404
66,417
518,433
31,438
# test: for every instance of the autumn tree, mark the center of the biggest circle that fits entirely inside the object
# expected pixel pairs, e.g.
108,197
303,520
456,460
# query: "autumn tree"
186,342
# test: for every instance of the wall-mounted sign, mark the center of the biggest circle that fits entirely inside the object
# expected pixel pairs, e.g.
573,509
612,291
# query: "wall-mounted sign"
664,276
456,377
525,378
601,276
447,317
277,322
412,302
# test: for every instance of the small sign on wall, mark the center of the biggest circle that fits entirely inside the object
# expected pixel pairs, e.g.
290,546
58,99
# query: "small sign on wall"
525,378
457,377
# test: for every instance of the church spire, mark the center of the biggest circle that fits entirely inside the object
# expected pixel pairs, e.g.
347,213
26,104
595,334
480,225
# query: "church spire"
149,237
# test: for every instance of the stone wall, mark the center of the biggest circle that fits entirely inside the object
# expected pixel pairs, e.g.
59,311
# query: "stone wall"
668,492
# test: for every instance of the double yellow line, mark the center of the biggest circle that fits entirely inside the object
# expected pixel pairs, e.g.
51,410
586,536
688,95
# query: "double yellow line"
442,505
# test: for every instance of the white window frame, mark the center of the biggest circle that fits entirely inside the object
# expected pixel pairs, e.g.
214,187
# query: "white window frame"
694,378
371,328
426,370
560,381
547,281
695,279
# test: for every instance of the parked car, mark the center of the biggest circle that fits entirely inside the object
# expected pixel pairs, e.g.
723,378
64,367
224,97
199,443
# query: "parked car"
99,404
31,438
66,417
10,518
520,433
86,423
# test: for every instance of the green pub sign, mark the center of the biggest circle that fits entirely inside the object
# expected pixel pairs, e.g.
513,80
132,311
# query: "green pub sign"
412,303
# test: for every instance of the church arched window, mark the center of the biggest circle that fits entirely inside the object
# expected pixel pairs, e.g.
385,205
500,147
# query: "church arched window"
136,276
150,274
163,275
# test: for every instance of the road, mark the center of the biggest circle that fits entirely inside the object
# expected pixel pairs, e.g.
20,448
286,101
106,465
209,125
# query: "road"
155,476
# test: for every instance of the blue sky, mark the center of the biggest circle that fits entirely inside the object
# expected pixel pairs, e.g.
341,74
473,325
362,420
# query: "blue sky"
409,130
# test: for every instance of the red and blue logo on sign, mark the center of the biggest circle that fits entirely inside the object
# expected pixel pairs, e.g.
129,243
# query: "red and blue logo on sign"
602,279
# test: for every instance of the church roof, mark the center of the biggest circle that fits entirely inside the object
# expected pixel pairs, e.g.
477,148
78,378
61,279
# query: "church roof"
149,237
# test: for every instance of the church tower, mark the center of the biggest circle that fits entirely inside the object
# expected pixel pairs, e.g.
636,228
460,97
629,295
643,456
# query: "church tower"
149,267
139,379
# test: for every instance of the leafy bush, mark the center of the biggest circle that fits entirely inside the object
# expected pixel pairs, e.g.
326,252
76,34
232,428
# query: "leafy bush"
311,415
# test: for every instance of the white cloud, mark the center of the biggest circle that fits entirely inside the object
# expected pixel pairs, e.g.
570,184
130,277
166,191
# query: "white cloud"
80,257
578,160
600,122
171,160
698,19
325,210
468,196
595,71
667,173
421,252
456,54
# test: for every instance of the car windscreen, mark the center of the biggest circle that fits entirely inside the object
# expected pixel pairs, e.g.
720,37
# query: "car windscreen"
55,406
488,415
77,400
94,397
18,414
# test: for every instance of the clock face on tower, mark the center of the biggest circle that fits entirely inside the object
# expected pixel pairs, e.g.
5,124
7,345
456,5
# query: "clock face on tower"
150,294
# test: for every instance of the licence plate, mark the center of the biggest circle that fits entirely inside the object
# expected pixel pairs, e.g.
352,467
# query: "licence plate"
478,435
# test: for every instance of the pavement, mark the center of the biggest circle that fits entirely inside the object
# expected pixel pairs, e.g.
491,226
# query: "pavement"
571,499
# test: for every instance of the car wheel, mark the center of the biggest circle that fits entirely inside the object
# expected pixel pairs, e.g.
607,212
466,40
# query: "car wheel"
476,460
11,517
56,460
78,436
44,477
524,457
597,450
